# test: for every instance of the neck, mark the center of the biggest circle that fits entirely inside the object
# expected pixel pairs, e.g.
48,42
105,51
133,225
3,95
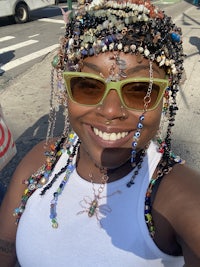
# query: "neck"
96,171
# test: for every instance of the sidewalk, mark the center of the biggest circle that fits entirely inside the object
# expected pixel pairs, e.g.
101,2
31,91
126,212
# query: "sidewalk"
187,127
25,101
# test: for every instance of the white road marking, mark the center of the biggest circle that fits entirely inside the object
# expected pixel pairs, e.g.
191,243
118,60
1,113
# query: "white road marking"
61,21
19,61
6,38
16,46
34,35
15,63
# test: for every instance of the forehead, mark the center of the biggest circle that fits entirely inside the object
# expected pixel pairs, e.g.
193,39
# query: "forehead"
102,63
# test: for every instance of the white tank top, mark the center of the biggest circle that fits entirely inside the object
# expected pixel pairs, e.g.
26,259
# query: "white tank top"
116,236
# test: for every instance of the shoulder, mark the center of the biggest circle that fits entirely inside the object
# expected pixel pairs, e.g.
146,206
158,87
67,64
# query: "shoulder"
182,183
177,201
34,159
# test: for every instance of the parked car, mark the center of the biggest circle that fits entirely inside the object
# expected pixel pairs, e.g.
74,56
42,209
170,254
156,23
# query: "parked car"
20,9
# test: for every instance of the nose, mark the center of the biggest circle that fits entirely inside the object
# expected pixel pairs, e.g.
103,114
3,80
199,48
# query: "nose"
111,107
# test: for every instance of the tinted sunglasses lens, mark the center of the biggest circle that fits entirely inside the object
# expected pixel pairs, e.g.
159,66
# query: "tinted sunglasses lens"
133,94
86,91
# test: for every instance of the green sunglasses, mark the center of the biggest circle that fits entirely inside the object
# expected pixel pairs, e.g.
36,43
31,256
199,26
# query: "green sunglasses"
90,90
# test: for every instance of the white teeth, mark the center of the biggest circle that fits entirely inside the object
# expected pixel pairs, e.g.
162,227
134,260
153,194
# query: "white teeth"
113,136
110,136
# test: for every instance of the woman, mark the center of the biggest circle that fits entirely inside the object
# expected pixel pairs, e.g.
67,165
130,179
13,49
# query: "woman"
110,191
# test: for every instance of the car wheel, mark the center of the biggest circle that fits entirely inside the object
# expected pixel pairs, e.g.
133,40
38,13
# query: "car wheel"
21,13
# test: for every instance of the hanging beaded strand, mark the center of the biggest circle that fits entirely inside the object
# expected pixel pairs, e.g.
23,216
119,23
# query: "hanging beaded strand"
69,168
147,100
138,167
40,177
135,140
163,169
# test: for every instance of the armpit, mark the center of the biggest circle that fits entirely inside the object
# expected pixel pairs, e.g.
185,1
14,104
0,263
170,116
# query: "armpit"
7,247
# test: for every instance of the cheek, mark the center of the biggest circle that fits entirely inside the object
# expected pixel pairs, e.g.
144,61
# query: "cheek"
152,122
150,126
74,112
77,115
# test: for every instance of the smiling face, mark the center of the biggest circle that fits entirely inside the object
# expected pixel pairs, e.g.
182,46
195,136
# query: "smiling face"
109,144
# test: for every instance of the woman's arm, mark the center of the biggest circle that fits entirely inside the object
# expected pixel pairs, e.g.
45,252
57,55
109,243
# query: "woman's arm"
29,164
177,202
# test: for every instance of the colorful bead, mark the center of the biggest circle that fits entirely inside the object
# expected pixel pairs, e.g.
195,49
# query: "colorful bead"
135,140
56,61
69,169
175,37
41,177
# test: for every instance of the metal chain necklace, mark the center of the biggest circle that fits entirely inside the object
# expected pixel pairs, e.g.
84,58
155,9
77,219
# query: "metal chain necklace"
91,205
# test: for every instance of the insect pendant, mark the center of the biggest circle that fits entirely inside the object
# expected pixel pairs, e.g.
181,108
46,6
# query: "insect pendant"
92,208
91,205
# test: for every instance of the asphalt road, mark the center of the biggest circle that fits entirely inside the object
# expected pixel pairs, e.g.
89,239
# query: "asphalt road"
23,45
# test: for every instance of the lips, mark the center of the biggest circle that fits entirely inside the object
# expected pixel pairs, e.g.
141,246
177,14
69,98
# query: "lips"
109,136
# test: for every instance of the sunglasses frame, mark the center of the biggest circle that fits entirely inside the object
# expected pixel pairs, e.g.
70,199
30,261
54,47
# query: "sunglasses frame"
112,85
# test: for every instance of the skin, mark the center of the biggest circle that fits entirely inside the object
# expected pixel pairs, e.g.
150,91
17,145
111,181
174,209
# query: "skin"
176,203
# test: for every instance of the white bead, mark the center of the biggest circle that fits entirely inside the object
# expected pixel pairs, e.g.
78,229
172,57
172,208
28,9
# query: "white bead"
140,8
104,48
145,18
167,62
158,59
119,47
134,18
133,47
162,62
174,70
111,46
71,41
141,49
146,52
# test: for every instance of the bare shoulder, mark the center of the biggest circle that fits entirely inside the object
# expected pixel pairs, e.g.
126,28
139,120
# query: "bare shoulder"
178,201
182,183
29,164
32,161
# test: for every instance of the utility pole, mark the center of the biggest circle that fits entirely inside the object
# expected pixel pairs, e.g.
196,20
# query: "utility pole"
69,4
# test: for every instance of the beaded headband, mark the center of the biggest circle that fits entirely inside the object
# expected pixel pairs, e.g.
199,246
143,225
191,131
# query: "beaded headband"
130,26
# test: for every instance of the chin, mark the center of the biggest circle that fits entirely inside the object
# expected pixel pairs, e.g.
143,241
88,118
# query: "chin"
113,158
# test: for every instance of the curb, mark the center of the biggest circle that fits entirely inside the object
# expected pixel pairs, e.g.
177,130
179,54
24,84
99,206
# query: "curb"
169,2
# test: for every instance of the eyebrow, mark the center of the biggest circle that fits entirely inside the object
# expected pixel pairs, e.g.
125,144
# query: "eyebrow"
139,68
91,66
